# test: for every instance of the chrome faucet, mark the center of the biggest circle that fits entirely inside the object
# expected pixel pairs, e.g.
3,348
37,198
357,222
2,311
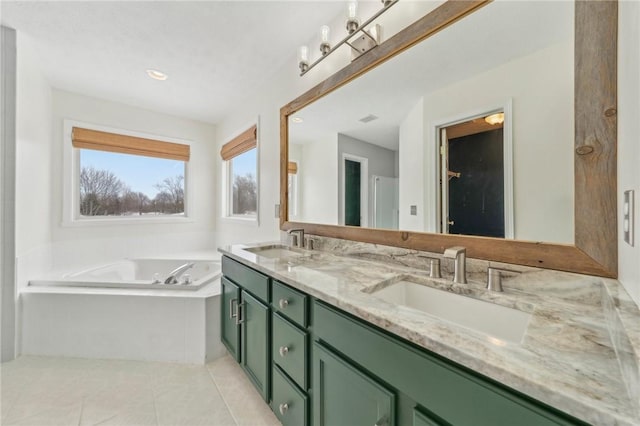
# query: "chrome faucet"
460,264
298,234
176,273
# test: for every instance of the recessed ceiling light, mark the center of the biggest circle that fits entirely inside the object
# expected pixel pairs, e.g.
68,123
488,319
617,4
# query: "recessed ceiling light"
297,120
157,75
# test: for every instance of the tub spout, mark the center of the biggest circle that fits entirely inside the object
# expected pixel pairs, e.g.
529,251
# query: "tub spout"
176,273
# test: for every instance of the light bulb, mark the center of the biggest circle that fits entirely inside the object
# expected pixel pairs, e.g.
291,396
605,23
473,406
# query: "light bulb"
303,54
303,59
352,19
324,31
325,47
352,10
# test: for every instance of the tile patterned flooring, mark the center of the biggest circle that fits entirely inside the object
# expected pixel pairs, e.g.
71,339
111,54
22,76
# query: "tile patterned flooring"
45,391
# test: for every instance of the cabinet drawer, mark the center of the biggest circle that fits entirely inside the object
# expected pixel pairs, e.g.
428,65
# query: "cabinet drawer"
289,350
253,281
287,402
290,303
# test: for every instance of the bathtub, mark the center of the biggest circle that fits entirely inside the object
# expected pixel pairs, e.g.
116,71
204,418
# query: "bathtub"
138,274
115,311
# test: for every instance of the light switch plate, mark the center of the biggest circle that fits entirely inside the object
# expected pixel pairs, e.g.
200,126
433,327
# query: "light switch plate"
414,210
277,211
628,217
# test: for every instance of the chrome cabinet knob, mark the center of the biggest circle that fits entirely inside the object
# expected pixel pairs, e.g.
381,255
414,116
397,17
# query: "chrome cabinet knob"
283,408
283,303
284,350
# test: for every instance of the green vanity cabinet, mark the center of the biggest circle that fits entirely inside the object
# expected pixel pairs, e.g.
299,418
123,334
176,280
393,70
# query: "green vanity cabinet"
458,396
318,365
255,348
230,332
343,395
246,321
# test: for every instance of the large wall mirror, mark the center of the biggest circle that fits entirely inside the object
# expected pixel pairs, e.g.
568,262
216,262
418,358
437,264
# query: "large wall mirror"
493,133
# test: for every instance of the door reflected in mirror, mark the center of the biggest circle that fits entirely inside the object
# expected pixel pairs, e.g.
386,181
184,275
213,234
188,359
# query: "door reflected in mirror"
409,145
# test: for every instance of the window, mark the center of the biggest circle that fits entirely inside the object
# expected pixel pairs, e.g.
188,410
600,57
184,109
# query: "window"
115,177
114,184
240,157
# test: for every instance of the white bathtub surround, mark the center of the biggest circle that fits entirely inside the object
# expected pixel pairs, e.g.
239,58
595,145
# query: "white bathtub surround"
55,391
135,324
570,357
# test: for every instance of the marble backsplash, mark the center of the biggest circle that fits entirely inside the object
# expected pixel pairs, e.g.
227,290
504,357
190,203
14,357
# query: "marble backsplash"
619,309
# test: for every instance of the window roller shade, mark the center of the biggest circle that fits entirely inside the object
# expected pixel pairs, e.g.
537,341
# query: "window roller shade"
123,144
242,143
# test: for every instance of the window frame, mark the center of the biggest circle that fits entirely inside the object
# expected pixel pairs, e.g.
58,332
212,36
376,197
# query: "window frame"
71,216
227,190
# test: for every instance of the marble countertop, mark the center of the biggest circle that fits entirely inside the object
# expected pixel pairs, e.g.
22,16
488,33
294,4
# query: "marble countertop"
569,357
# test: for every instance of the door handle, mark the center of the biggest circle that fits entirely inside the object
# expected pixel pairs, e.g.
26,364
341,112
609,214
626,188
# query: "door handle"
239,319
233,314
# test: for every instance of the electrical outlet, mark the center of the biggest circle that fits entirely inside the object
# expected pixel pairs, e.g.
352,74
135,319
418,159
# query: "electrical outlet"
414,210
627,217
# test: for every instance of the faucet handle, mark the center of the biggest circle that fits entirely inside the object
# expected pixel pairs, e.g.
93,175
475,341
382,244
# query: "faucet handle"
494,278
453,252
434,267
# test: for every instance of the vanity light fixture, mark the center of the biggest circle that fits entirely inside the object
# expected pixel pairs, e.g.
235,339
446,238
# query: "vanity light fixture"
361,37
494,119
157,75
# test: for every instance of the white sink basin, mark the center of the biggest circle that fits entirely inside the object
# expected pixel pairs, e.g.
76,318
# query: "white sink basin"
275,251
500,322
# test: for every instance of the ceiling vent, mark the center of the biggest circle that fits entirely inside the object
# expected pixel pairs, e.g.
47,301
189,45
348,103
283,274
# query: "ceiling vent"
368,118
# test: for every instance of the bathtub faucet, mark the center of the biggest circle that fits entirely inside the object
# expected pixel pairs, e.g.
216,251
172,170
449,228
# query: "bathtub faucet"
176,273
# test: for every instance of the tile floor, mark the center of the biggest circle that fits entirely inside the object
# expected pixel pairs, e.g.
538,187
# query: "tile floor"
44,391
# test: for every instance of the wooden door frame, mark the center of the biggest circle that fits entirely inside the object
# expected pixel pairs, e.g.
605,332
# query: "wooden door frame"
364,187
434,142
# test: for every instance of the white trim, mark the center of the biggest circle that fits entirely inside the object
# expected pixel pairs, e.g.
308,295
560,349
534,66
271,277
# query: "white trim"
433,147
226,194
364,187
71,189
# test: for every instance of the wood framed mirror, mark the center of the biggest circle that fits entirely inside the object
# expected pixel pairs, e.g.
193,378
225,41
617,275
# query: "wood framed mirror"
594,248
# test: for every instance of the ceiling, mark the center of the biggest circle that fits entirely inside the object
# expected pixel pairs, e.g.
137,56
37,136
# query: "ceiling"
498,33
216,53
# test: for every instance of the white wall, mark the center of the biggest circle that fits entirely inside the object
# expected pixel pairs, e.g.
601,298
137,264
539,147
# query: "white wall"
412,168
33,157
542,141
320,181
7,193
33,209
629,138
82,245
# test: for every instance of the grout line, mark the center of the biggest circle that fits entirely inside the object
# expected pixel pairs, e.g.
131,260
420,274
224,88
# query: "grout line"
215,383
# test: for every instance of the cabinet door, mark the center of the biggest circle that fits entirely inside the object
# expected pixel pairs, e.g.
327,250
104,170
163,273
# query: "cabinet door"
256,359
230,329
342,395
